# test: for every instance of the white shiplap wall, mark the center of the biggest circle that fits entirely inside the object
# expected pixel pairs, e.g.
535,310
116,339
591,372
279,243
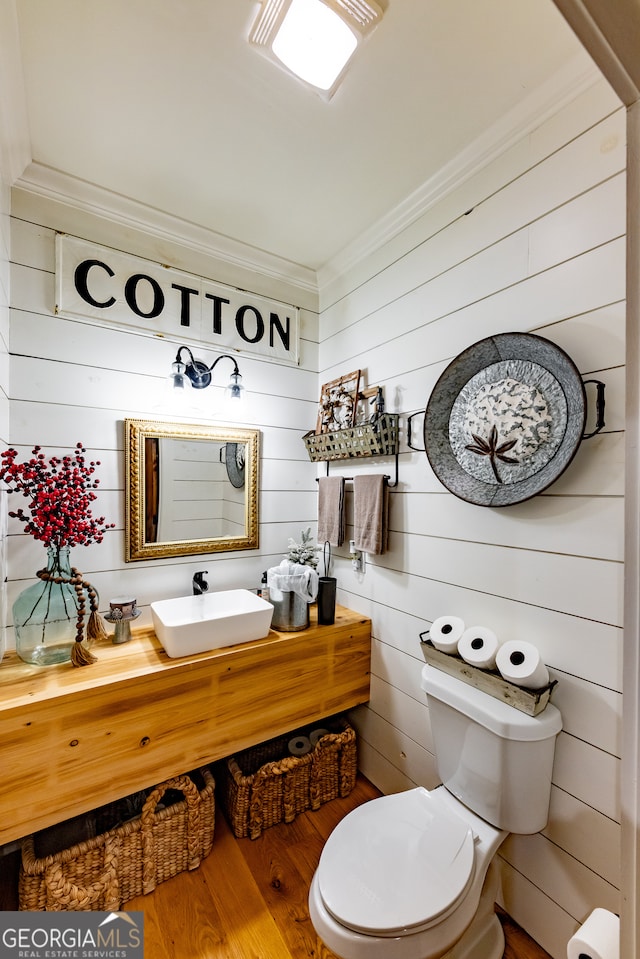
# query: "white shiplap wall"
73,382
534,242
541,250
5,203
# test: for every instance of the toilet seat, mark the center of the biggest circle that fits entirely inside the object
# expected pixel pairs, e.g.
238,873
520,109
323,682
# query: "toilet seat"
395,864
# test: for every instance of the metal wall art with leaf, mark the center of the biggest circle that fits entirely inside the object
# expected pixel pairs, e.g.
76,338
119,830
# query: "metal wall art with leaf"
506,418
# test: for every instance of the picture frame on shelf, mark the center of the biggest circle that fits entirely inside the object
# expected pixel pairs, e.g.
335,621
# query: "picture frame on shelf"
338,400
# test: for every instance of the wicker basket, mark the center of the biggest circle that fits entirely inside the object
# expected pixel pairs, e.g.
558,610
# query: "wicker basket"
364,440
104,872
265,785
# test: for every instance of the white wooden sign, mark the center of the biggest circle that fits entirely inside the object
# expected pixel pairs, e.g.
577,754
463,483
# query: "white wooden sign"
100,285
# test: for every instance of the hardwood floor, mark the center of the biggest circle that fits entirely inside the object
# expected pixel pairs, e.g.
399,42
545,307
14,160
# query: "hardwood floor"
248,899
518,945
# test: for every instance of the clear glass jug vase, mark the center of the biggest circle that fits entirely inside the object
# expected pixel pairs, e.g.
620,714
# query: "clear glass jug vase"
45,615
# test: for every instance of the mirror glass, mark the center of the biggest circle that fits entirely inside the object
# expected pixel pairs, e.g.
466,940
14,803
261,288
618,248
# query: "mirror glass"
189,489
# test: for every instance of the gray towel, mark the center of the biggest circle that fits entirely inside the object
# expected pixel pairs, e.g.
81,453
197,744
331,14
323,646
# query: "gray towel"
370,513
331,510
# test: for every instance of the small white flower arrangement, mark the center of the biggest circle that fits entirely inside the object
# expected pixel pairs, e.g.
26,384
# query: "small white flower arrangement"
303,552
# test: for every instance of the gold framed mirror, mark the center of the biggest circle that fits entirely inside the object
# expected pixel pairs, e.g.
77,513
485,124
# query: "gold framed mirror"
189,489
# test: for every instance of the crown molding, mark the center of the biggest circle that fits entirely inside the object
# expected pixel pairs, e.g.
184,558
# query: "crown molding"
15,143
545,101
86,197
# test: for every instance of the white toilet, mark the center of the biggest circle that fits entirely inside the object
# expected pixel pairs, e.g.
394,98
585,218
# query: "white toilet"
410,876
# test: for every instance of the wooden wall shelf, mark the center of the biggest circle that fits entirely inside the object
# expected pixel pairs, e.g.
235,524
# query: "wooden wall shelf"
72,739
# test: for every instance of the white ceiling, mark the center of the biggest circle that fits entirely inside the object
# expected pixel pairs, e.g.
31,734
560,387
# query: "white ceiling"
164,102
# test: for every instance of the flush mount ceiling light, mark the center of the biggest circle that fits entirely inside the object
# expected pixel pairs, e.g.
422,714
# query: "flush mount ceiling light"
314,39
198,375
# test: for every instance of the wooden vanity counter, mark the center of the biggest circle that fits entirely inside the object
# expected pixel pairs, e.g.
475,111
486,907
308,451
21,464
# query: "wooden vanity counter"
73,739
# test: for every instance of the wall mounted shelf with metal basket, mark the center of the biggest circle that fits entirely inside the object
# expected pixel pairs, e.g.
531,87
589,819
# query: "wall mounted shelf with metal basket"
377,438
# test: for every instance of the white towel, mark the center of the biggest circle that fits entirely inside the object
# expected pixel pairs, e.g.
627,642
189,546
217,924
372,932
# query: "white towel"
293,578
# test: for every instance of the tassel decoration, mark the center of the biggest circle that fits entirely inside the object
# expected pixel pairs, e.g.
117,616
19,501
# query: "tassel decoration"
81,655
95,628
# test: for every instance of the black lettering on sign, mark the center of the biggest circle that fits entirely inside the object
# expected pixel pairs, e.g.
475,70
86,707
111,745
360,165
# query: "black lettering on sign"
276,324
130,291
185,302
217,311
81,277
259,324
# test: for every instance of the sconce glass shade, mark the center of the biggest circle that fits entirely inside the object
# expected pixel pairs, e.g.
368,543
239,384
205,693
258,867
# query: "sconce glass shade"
177,379
235,389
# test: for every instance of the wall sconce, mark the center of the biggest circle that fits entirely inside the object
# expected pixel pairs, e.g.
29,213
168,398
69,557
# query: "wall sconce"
198,374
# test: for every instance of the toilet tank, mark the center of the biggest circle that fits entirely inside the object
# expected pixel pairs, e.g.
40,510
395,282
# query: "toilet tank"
494,758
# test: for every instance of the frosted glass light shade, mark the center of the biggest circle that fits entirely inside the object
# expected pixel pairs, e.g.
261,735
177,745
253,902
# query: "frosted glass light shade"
235,389
314,42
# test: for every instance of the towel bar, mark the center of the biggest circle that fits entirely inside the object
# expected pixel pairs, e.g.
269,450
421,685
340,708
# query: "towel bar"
349,479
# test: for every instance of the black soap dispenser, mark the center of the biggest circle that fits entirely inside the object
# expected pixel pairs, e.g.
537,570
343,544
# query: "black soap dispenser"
264,589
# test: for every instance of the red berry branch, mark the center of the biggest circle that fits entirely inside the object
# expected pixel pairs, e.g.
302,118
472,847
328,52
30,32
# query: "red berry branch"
60,493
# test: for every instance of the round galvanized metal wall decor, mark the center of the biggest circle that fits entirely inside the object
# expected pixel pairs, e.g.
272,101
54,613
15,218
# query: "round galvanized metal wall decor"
505,419
235,462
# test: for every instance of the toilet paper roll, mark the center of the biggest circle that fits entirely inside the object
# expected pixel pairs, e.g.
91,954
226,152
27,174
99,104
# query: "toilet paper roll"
445,633
597,938
317,734
299,746
478,647
520,663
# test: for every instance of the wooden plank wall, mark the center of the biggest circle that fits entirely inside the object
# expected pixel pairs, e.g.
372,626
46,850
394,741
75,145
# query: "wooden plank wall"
72,382
5,246
533,242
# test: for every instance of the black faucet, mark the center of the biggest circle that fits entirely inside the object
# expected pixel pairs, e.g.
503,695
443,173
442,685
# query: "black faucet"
200,585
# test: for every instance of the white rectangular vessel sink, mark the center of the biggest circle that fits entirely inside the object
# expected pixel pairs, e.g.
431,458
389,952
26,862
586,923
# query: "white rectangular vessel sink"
195,624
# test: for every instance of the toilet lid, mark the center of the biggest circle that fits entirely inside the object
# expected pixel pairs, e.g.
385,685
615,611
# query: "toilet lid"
396,863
